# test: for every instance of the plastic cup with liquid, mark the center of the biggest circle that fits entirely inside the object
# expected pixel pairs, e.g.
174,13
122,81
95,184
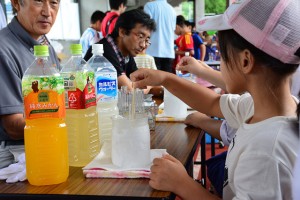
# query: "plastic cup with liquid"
130,142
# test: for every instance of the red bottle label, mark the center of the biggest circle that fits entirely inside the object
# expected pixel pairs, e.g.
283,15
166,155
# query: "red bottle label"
80,91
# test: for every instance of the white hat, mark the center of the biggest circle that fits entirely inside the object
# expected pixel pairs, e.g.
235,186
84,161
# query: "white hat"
272,26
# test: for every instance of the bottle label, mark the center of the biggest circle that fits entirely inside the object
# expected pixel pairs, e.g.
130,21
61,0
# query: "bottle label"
79,90
43,97
107,87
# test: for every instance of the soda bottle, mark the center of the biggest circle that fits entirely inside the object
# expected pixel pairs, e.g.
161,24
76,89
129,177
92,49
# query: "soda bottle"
81,118
45,133
106,91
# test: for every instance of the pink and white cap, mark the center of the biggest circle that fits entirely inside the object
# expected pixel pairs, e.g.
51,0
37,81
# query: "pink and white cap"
272,26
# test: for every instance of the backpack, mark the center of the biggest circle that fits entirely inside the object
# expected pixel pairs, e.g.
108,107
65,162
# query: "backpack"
109,22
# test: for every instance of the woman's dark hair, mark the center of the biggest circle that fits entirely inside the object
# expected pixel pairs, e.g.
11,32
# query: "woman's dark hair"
129,19
230,42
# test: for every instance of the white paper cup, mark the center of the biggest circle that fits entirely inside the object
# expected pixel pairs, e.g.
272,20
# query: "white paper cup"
173,106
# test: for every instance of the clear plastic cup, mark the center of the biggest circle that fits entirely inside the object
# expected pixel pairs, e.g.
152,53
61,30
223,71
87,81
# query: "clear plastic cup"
130,142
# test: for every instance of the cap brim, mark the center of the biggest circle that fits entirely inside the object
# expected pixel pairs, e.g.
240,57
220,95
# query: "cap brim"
216,23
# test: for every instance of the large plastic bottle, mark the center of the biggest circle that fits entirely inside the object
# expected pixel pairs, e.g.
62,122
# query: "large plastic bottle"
46,144
106,90
81,118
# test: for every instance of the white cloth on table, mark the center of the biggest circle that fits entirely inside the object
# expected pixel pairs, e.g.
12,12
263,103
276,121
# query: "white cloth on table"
102,166
15,172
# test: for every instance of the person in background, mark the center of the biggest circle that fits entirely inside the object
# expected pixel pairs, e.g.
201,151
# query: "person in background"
129,38
2,18
93,33
144,60
199,46
117,7
210,48
162,40
184,42
29,27
261,156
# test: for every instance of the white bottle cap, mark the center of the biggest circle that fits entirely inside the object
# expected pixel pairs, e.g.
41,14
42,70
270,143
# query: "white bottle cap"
97,49
187,53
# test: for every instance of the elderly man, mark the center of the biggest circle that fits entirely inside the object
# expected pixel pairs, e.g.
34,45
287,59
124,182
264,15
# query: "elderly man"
129,38
33,20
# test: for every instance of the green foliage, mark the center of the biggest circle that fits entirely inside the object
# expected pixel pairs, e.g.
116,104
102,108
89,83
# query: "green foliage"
188,10
215,6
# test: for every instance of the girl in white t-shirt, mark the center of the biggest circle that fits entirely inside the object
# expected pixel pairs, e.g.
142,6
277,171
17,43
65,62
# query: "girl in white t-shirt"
260,51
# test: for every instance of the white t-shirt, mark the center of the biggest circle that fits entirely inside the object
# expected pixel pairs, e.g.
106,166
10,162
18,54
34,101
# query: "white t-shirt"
296,181
261,156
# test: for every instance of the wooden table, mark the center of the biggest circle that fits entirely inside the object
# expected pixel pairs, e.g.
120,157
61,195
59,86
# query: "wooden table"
179,140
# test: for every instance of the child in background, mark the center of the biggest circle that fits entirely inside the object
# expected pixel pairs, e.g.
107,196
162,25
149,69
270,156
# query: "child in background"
184,42
144,60
210,48
93,33
199,47
262,154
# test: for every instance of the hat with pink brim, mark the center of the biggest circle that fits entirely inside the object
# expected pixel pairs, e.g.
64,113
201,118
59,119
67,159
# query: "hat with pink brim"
272,26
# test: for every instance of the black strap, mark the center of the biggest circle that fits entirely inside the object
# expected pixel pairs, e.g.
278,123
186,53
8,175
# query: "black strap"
109,22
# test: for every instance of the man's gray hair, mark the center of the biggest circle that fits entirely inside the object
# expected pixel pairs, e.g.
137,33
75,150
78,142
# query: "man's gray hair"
21,2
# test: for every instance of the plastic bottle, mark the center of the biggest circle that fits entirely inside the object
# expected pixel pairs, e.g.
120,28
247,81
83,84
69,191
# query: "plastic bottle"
81,118
106,90
45,133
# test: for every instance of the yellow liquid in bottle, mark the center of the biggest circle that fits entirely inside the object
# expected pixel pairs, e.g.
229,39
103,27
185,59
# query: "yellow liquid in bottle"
46,151
83,135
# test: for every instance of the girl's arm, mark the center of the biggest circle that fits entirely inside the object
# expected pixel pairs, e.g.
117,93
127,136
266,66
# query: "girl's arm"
201,70
196,96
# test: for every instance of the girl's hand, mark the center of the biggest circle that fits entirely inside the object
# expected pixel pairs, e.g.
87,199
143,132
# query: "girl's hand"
191,65
148,77
168,174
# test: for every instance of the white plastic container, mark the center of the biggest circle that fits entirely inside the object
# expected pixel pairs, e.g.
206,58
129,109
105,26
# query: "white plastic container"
173,106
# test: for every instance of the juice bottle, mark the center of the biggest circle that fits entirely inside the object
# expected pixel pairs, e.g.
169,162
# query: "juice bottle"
81,118
45,133
106,91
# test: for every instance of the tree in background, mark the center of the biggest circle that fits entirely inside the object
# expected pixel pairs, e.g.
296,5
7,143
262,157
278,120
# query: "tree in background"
215,7
187,9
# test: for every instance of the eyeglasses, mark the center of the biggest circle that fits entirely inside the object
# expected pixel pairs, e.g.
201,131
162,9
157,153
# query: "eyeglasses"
142,38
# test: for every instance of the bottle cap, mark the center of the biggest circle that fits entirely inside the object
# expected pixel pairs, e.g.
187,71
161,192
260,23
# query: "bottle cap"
76,49
97,49
187,53
41,50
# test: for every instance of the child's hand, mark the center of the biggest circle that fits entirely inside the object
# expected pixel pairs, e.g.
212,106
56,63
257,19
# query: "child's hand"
167,173
148,77
191,65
